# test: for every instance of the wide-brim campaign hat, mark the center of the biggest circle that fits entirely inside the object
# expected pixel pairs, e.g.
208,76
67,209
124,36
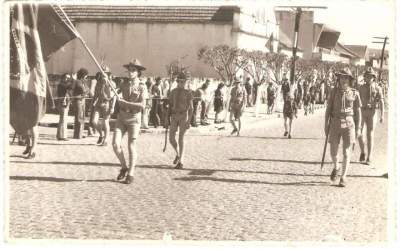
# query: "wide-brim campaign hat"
135,63
183,76
346,72
370,71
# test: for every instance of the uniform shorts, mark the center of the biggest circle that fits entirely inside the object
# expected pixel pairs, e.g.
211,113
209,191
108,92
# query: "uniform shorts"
368,118
342,128
129,122
103,109
237,112
178,120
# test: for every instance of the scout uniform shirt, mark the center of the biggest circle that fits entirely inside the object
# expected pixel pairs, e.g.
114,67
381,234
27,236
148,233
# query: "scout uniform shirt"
344,105
180,100
131,92
370,95
237,97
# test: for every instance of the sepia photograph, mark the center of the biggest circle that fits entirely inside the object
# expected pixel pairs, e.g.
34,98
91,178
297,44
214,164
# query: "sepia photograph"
200,122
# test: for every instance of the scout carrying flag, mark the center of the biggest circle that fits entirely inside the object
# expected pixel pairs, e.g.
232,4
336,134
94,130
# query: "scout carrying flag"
36,32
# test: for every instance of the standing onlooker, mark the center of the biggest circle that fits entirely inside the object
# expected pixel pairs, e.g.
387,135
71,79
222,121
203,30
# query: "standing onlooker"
196,101
146,110
218,102
203,99
63,93
271,95
248,87
79,93
155,112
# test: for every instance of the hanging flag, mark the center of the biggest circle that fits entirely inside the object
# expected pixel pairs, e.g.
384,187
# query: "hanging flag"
36,32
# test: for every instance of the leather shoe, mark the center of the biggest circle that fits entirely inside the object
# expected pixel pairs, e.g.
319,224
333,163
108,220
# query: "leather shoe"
179,166
128,179
122,173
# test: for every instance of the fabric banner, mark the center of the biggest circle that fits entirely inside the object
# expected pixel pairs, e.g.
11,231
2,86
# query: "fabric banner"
36,32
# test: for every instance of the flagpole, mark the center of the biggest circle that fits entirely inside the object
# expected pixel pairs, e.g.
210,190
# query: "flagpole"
75,31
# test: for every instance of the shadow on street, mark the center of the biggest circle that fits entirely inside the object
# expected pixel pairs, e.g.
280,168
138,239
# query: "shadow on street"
308,183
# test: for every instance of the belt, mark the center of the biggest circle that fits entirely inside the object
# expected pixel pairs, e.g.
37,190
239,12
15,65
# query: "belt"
181,112
343,115
128,111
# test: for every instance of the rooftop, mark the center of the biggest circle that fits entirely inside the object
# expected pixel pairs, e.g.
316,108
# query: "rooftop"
119,13
360,50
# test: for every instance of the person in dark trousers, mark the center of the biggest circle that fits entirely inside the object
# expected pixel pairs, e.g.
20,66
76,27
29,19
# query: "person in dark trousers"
63,103
79,93
203,99
218,102
249,89
155,112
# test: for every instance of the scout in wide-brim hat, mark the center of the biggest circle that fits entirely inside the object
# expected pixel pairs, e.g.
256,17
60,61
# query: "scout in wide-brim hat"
134,64
345,72
370,71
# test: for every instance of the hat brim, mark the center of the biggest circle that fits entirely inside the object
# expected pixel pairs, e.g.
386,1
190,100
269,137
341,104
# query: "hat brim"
372,74
131,65
345,74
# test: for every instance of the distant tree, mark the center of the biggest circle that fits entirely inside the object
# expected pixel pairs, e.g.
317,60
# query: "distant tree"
226,61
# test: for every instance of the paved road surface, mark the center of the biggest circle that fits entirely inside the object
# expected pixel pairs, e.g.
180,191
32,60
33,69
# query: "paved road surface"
255,187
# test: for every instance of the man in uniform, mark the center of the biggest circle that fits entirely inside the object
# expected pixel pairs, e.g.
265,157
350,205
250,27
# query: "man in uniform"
344,109
131,104
371,97
180,111
237,105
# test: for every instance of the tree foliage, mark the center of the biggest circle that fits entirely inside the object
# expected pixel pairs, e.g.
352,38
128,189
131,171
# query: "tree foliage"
225,60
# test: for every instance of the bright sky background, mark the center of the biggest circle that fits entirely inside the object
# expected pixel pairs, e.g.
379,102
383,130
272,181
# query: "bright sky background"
358,21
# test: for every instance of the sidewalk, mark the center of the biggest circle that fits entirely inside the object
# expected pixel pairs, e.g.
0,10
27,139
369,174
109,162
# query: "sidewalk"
249,120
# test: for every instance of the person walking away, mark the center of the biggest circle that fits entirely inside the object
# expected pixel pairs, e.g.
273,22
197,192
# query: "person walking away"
79,93
104,101
371,98
237,105
180,110
155,112
289,109
63,103
131,103
271,95
344,108
218,102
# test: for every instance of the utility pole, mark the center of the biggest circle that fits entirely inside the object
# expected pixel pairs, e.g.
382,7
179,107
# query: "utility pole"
298,11
382,53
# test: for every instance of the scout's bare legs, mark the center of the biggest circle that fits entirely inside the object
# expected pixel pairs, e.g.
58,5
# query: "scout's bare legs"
334,147
106,125
172,140
117,139
232,119
346,160
288,125
97,124
33,137
132,153
181,144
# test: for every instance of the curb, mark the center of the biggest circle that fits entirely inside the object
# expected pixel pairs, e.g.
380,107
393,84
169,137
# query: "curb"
212,128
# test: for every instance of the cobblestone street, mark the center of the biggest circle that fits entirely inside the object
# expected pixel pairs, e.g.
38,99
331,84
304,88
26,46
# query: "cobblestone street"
259,186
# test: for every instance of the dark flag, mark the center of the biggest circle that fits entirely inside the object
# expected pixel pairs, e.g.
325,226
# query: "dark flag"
36,32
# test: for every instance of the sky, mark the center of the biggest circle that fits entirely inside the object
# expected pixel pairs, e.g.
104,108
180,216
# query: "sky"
358,21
